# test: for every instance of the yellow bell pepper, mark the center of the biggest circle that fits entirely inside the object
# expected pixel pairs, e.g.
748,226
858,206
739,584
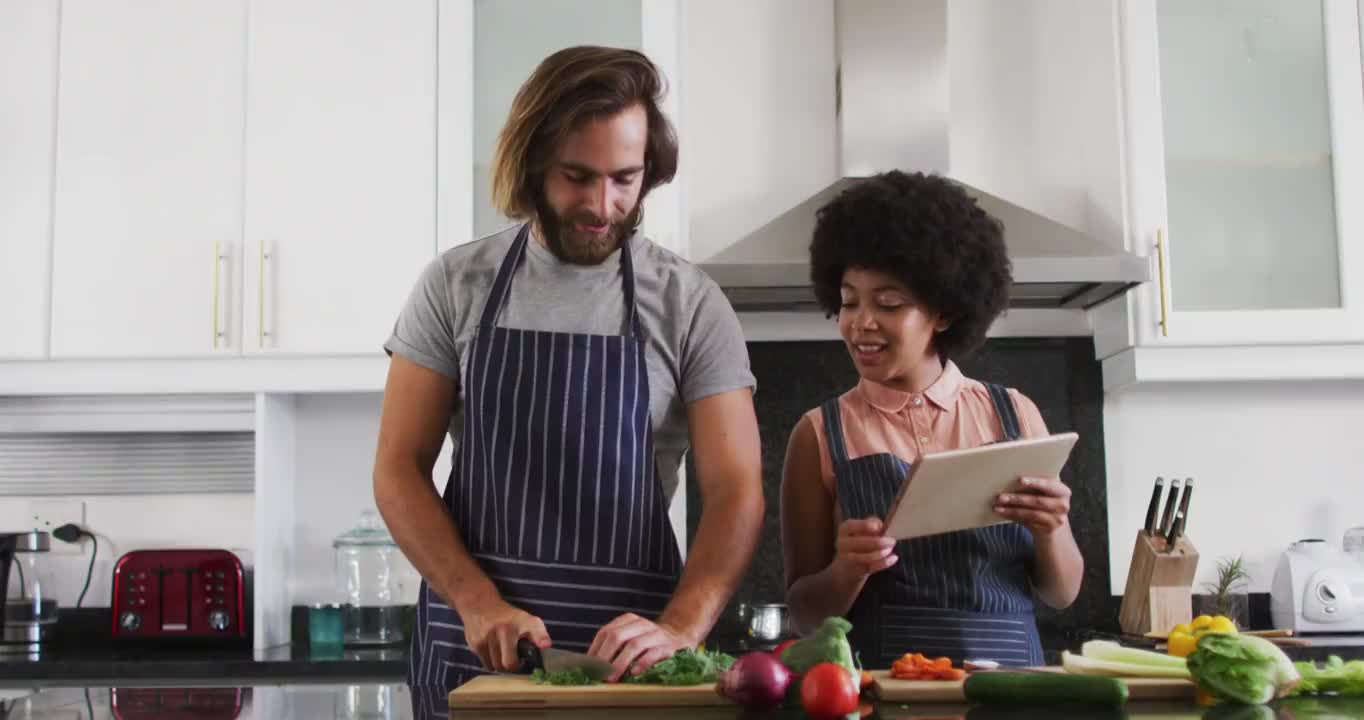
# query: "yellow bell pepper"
1201,621
1180,644
1221,624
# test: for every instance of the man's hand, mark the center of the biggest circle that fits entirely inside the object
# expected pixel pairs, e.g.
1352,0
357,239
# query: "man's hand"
492,632
1040,504
632,643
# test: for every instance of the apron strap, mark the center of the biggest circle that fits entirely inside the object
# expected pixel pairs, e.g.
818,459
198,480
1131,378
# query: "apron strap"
1005,411
627,281
833,433
497,297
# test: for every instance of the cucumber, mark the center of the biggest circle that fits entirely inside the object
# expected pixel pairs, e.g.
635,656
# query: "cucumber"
1008,688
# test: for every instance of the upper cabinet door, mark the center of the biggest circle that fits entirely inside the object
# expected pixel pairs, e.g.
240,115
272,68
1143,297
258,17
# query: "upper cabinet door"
1246,162
490,47
340,170
147,230
28,87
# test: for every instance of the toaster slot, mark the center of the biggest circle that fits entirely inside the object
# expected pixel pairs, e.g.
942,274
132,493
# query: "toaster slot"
175,599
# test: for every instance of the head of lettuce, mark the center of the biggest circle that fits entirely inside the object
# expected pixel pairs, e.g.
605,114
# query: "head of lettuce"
1242,668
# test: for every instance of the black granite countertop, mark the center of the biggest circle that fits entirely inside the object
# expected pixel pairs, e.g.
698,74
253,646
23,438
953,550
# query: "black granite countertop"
81,656
392,701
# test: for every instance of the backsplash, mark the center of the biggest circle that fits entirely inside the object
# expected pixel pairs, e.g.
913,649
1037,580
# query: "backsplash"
1059,374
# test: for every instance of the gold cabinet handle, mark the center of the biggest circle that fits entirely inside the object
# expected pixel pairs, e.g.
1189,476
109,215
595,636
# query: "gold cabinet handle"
261,333
218,258
1164,305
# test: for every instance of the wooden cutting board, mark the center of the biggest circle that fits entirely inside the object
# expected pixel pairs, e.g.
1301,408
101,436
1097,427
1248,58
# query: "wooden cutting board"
519,691
912,691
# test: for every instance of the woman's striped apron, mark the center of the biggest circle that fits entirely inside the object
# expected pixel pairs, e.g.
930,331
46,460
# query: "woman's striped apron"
553,487
964,594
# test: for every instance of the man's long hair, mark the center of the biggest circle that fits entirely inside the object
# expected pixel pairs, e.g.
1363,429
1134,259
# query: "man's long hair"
568,88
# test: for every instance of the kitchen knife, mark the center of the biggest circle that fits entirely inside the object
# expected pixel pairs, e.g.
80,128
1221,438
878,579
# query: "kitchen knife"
1153,509
1184,505
1171,503
1176,525
554,660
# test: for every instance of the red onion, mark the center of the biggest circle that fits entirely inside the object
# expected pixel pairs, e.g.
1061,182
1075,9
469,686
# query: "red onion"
757,681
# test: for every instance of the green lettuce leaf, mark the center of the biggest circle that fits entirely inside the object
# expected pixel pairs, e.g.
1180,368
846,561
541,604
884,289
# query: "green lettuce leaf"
1241,668
1335,676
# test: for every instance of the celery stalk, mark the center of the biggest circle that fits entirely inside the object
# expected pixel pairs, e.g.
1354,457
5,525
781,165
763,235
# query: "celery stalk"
1080,665
1109,651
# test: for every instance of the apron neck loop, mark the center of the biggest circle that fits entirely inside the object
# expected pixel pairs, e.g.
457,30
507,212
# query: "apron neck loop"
501,289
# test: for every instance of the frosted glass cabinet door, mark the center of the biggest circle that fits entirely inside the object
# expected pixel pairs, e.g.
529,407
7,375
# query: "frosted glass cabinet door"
1248,133
508,46
489,48
1248,155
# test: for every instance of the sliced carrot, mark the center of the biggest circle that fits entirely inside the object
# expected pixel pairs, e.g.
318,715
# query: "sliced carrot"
953,674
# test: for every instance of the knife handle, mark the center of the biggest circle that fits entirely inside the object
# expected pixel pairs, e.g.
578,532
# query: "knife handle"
1176,529
1168,514
1153,508
529,655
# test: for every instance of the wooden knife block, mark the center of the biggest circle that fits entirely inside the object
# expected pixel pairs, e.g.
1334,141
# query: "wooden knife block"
1159,593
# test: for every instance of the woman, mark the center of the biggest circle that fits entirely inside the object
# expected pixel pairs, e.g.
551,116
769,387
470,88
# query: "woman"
916,272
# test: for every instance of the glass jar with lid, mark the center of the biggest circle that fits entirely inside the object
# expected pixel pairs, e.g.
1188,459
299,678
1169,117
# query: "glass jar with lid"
374,581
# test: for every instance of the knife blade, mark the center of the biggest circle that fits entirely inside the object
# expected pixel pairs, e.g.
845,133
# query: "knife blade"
555,660
1171,503
1153,509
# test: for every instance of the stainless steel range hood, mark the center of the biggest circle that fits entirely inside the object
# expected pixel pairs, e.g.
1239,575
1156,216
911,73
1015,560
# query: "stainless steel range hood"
893,114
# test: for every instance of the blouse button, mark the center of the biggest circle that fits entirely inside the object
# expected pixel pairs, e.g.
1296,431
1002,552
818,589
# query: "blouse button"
917,401
923,439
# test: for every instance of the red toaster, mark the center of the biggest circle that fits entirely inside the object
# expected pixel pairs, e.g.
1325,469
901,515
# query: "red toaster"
188,594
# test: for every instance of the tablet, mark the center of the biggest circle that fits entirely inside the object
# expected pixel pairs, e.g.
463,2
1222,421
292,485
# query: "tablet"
955,490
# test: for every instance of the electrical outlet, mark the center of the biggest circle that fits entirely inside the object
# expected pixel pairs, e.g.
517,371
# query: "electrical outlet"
48,515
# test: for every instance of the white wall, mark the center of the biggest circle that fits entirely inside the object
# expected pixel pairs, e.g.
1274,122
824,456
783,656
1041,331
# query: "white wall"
1034,106
1272,463
334,465
758,131
137,522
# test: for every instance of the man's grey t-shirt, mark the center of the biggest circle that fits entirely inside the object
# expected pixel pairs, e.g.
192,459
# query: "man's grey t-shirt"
695,347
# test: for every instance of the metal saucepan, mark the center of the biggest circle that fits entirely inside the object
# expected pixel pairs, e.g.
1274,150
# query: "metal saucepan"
765,621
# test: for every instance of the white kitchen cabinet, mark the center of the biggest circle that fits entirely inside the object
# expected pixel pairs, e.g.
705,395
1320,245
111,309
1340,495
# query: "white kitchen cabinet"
28,89
490,47
147,227
340,182
1245,156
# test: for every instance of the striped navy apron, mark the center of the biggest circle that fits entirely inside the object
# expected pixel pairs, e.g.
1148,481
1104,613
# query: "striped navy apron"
964,594
552,488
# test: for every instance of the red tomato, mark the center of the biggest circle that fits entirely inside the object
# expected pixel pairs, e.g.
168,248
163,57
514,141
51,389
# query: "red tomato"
781,647
828,690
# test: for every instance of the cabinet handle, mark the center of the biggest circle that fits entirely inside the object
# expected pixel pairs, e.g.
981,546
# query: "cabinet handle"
219,257
1164,306
261,333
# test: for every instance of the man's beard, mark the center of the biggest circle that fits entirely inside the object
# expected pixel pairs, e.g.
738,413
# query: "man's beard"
583,248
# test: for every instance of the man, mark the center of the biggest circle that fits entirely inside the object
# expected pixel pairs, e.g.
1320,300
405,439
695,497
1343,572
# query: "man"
573,361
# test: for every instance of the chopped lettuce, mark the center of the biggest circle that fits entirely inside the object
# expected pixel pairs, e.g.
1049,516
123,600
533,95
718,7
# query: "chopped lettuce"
574,676
685,667
1242,668
1335,676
